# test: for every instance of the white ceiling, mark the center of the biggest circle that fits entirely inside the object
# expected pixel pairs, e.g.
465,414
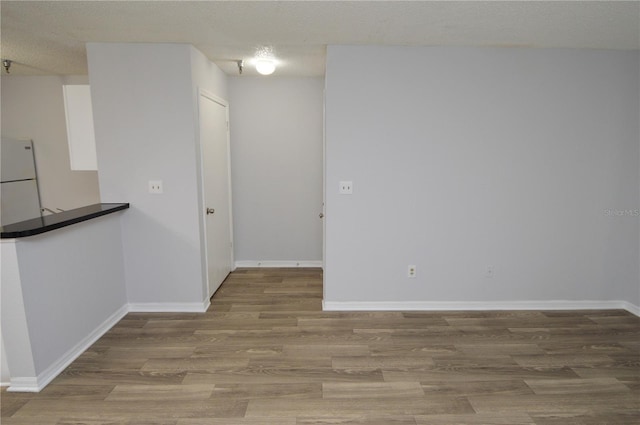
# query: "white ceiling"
48,37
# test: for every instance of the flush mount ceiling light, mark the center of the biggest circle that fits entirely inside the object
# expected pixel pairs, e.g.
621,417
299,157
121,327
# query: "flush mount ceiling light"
265,66
264,60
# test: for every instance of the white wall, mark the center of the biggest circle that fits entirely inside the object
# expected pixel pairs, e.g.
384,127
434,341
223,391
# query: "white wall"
463,158
146,129
276,165
33,108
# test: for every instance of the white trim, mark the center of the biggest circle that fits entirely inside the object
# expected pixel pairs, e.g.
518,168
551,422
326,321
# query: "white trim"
633,309
280,264
477,305
35,384
169,307
5,384
25,385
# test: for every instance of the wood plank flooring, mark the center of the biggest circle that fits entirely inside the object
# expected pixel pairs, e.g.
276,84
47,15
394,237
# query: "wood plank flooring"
265,353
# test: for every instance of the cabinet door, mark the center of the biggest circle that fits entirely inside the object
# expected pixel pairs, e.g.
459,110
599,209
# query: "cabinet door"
80,134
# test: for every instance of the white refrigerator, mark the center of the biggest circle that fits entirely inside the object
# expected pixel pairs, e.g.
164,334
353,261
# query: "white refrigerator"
19,196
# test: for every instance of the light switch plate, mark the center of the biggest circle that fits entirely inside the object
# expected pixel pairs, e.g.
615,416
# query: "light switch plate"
155,187
346,187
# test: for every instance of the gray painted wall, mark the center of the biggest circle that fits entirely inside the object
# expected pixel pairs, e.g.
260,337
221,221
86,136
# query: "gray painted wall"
62,312
276,165
33,108
5,376
463,158
146,129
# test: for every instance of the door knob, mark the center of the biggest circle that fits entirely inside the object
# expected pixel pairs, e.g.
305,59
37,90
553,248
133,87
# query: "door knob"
210,211
321,215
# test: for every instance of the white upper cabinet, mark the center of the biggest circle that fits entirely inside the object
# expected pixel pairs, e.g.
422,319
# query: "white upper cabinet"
80,134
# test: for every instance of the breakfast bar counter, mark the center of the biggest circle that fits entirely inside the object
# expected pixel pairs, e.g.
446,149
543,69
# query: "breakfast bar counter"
62,285
47,223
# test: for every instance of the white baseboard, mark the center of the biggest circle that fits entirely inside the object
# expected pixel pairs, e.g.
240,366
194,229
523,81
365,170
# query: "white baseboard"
169,307
35,384
633,309
24,385
477,305
5,384
280,264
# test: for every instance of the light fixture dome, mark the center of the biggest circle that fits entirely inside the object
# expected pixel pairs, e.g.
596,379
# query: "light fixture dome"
265,66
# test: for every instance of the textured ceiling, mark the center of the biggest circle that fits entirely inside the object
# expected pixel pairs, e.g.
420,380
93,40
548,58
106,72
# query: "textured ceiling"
49,37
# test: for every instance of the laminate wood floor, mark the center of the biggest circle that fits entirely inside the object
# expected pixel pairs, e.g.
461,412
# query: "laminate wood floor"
266,354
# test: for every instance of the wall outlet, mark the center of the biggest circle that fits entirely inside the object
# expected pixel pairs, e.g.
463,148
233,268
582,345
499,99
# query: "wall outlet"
346,188
155,187
411,271
489,272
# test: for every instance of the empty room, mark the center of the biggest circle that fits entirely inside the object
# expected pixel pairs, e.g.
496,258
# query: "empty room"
320,212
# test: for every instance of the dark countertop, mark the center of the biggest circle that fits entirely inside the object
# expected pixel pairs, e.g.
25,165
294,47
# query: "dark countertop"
47,223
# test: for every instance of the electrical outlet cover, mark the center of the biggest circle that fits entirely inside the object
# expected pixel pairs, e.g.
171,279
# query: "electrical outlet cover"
489,272
346,187
155,186
412,271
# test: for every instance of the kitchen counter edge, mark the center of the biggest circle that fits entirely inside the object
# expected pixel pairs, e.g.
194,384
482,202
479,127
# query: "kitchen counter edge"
48,223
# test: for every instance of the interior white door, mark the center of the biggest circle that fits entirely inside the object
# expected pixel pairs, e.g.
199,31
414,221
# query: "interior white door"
214,140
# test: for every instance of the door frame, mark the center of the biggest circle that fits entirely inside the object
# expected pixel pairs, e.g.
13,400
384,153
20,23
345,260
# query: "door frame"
324,192
203,217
